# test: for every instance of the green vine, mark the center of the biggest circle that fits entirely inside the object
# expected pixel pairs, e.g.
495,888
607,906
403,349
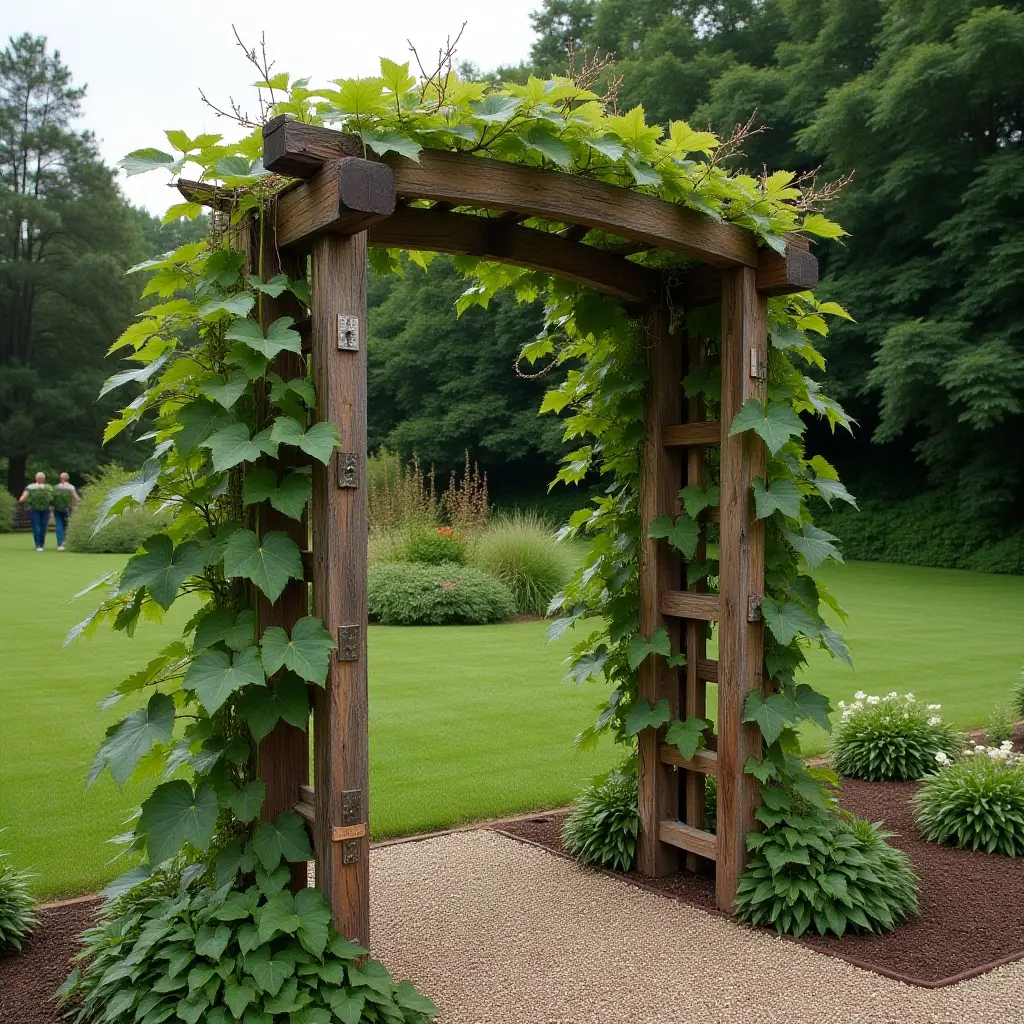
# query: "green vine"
218,406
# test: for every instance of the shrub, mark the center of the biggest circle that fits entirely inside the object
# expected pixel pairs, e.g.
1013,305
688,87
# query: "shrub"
7,503
123,534
16,916
435,546
604,822
826,870
198,953
976,802
1000,725
1017,700
892,737
411,594
524,554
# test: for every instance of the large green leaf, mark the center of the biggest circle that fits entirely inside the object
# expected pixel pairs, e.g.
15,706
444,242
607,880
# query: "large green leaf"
289,498
788,620
141,160
225,392
683,534
198,420
134,737
774,425
407,996
285,838
307,653
173,815
640,647
269,562
238,995
162,569
247,801
772,713
695,499
814,544
318,442
215,675
545,142
778,496
643,715
392,142
232,445
813,706
315,917
347,1006
278,916
285,698
495,107
687,735
269,972
223,625
279,337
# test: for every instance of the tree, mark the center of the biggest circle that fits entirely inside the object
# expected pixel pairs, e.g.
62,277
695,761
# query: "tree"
441,385
66,238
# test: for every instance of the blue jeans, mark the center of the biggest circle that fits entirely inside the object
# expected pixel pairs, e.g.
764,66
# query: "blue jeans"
60,520
40,520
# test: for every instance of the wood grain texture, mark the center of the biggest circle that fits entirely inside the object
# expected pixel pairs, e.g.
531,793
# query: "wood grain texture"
504,242
681,604
704,762
777,274
700,433
695,637
741,562
660,479
693,840
707,670
300,150
343,197
339,589
571,199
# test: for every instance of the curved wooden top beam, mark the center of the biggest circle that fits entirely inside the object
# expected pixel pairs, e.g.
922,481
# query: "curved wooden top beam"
301,150
505,242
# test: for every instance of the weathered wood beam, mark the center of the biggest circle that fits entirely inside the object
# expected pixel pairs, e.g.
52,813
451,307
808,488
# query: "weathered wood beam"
554,195
682,604
344,197
299,150
693,840
703,762
504,242
777,274
700,434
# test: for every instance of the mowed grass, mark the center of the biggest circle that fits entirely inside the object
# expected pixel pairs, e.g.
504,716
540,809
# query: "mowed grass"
465,723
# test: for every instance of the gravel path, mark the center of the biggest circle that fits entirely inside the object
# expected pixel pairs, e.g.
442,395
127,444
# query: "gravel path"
498,932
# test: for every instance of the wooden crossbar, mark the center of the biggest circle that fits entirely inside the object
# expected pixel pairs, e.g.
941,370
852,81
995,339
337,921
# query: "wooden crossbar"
707,670
681,604
693,840
704,761
684,435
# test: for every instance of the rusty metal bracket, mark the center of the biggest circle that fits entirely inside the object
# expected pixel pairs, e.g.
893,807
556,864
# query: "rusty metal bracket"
348,643
348,470
348,333
754,608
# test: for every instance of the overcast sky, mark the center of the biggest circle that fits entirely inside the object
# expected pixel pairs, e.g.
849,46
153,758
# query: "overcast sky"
144,61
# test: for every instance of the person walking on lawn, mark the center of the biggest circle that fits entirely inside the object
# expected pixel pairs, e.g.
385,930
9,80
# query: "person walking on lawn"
39,498
65,497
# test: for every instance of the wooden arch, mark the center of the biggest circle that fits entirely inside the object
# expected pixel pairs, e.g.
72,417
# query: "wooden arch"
344,202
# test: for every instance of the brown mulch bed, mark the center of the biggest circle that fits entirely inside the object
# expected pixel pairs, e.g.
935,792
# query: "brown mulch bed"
28,979
970,921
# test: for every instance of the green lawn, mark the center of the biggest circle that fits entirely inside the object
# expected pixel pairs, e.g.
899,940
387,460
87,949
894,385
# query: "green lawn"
465,723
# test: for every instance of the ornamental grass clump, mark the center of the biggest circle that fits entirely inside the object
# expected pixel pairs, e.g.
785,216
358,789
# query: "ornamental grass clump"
824,870
976,802
605,821
895,737
16,906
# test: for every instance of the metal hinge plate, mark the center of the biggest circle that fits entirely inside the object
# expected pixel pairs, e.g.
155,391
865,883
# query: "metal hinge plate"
348,470
348,643
348,333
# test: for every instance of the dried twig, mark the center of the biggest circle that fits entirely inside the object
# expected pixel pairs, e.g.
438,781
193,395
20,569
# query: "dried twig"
814,197
439,76
263,66
587,74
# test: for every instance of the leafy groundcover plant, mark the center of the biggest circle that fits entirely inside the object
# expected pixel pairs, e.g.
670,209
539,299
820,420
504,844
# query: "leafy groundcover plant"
605,821
830,872
174,948
895,737
16,906
975,802
413,594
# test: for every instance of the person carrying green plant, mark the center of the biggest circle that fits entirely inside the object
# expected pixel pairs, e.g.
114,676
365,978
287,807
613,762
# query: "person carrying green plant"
39,497
65,497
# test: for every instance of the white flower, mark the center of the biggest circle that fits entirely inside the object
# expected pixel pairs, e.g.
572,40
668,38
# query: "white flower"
892,693
874,700
934,707
859,695
943,758
910,696
935,720
1006,745
842,704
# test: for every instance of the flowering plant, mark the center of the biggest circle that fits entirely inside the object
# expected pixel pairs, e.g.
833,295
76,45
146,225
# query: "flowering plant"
892,737
976,801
